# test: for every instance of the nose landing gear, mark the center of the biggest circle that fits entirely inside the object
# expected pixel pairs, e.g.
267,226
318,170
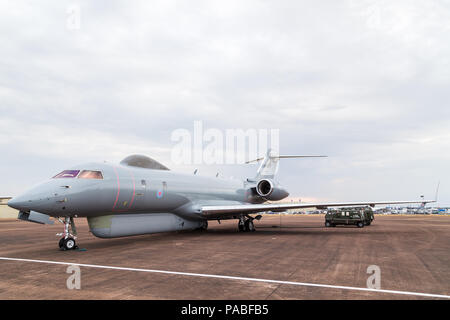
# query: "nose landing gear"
67,242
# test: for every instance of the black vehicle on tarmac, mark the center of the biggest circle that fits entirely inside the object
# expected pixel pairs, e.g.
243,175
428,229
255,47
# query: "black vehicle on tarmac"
359,216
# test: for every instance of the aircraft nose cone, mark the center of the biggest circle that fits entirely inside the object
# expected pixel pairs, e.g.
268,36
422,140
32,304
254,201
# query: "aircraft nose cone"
17,203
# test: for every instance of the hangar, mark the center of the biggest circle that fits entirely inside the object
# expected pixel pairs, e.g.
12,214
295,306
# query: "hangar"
5,211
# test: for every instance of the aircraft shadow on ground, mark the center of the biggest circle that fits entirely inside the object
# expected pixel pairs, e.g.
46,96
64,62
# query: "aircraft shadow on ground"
162,238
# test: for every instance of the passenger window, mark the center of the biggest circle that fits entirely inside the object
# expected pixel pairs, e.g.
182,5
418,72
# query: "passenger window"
88,174
67,174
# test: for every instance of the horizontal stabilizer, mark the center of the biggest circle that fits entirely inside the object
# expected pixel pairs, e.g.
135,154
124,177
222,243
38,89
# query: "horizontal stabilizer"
285,157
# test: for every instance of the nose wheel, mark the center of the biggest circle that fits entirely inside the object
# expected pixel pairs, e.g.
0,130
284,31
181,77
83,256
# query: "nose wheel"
67,242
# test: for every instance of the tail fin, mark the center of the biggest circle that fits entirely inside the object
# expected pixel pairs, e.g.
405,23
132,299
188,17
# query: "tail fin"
437,192
269,165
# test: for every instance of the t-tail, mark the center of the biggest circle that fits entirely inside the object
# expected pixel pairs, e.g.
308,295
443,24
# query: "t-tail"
265,185
269,165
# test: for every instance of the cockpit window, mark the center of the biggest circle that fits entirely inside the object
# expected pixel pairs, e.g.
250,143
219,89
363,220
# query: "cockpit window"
88,174
67,174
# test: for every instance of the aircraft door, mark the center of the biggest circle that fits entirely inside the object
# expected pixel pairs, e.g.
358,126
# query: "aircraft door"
141,194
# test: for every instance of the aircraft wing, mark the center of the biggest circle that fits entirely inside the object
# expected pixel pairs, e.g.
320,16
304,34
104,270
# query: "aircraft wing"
230,210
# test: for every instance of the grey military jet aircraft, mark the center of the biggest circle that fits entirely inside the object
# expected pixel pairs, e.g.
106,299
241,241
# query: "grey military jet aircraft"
142,196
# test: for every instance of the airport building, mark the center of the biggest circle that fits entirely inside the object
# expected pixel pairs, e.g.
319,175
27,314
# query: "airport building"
5,211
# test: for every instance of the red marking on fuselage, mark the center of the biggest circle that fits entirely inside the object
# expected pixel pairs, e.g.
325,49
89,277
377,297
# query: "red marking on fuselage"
118,188
134,190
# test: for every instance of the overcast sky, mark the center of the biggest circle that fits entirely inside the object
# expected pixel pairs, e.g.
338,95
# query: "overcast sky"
365,82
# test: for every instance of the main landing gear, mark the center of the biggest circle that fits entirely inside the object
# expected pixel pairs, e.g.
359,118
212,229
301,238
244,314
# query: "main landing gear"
204,226
245,223
67,242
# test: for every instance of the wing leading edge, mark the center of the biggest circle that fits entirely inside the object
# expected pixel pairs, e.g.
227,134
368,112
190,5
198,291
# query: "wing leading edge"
229,210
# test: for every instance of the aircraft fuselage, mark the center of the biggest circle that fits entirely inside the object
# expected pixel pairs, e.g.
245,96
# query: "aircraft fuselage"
126,189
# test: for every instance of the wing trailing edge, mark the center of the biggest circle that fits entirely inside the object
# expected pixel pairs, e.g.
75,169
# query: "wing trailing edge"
229,210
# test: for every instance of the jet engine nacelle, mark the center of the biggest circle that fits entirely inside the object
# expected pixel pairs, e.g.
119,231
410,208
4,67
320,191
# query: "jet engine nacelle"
269,190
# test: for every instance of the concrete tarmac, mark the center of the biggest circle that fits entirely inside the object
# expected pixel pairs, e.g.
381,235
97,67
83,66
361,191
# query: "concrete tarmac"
412,252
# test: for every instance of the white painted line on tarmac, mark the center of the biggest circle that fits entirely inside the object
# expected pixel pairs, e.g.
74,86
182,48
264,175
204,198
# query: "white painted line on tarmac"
190,274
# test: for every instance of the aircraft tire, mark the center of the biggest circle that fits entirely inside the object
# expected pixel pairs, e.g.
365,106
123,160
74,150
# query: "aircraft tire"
360,224
249,226
327,224
61,243
204,226
69,244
